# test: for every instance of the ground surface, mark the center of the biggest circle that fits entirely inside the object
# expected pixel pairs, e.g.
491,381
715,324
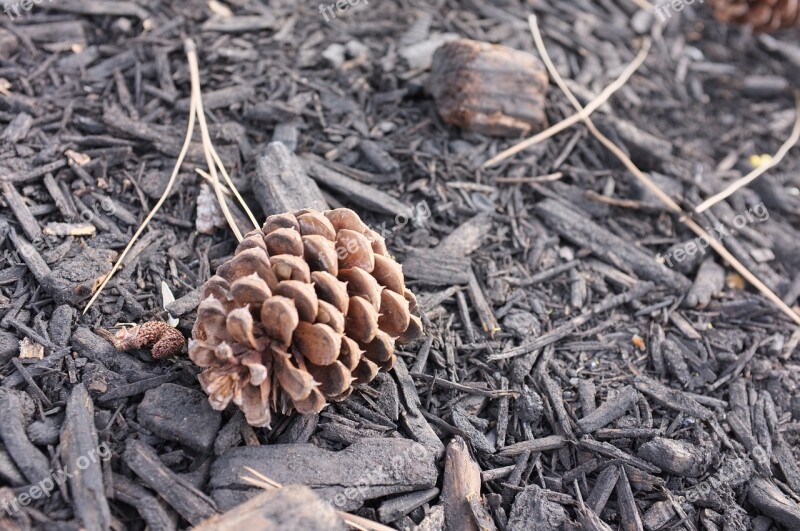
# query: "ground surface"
677,399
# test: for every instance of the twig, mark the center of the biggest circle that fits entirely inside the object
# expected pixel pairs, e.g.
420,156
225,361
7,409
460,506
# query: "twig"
212,159
653,187
194,74
182,155
575,118
762,168
355,522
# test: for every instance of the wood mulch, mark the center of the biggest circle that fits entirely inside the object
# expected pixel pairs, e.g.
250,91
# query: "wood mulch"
568,374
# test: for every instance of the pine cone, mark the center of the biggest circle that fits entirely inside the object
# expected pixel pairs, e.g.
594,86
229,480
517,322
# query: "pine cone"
308,306
761,15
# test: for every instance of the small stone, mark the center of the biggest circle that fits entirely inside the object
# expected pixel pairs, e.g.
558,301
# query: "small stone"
180,414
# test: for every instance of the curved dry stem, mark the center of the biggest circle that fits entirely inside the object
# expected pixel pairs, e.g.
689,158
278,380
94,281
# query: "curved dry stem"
652,186
194,75
761,169
181,156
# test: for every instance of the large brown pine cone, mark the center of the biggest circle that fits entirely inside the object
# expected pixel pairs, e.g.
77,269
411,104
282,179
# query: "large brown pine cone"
761,15
308,306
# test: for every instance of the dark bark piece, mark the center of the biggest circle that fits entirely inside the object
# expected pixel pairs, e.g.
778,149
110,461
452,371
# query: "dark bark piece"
359,193
468,237
609,411
389,398
603,488
135,388
395,508
189,502
30,461
240,24
611,248
367,469
482,306
412,417
25,250
221,98
294,507
149,507
672,398
180,414
675,362
186,303
708,283
680,458
612,452
18,128
565,329
551,442
9,346
97,7
79,446
75,279
471,81
99,350
434,268
629,513
783,455
533,511
462,479
281,184
60,326
9,471
768,499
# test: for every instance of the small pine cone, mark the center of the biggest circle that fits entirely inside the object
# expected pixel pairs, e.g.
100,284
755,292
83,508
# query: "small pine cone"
761,15
307,306
164,340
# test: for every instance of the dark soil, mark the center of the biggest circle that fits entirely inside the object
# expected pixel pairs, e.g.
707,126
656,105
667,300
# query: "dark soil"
589,382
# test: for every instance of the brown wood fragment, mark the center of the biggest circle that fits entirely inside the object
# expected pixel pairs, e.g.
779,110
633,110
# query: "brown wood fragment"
79,445
471,82
290,507
462,479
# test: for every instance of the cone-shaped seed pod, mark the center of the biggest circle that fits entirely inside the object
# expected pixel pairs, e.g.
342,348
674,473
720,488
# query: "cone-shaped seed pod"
307,307
761,15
